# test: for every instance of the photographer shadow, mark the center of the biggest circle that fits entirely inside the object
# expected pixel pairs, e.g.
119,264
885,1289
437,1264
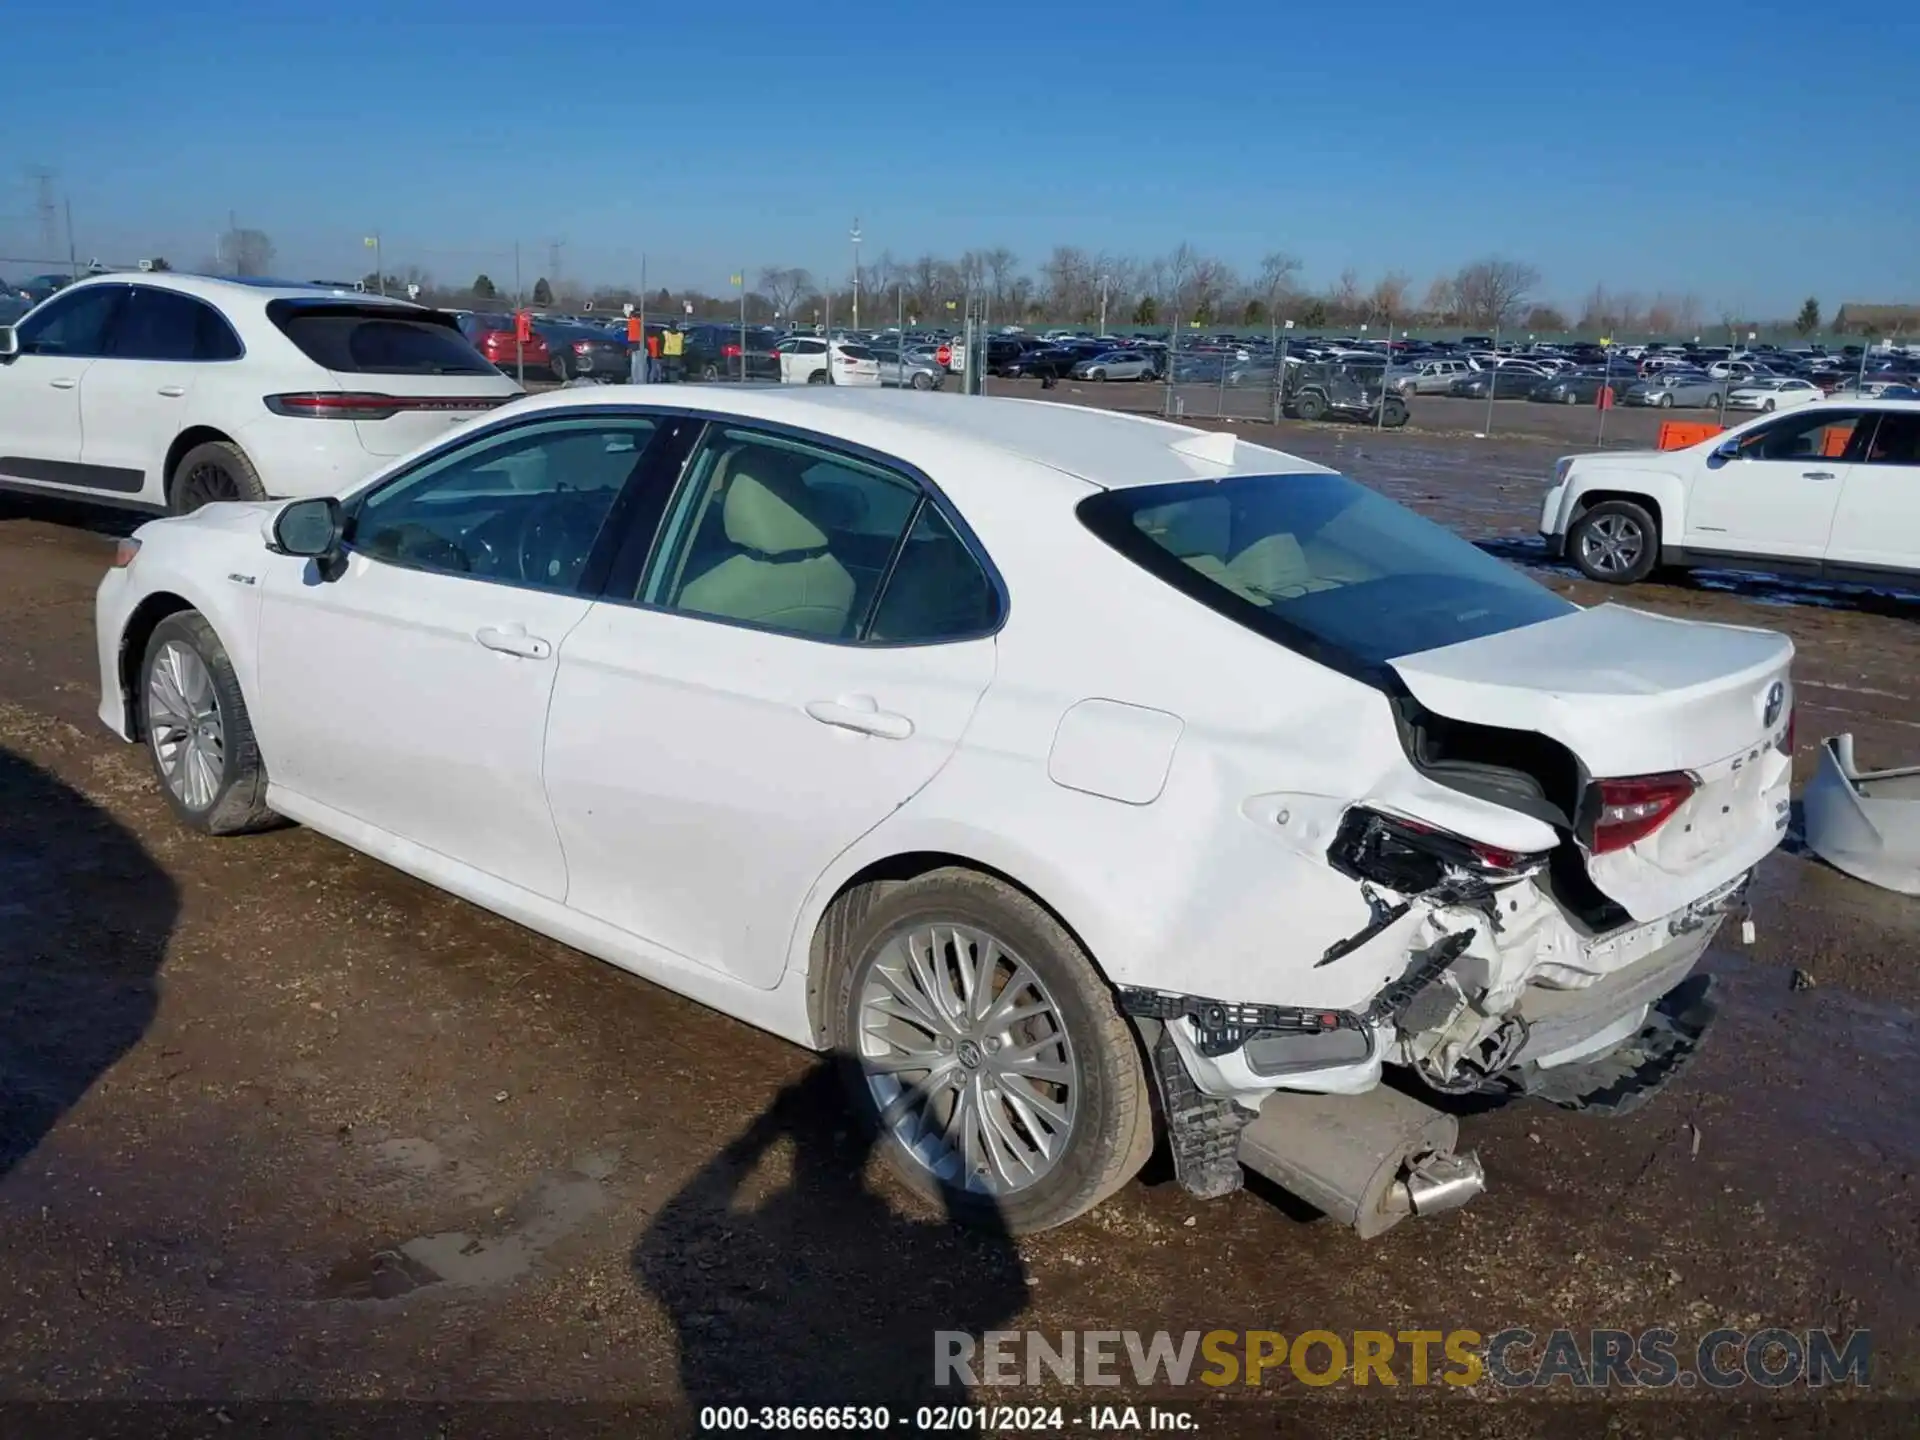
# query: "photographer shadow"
85,917
808,1288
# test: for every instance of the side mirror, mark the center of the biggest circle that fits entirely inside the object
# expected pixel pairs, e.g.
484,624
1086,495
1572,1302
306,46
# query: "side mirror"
1727,450
312,528
9,342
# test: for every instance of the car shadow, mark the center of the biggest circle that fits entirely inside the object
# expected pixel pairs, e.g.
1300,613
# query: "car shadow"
85,917
107,520
1760,588
790,1282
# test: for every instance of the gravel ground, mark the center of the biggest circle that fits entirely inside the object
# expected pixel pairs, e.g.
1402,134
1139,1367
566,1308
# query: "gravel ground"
279,1122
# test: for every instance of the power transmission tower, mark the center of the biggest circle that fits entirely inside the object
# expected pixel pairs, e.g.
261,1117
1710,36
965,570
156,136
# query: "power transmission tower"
47,209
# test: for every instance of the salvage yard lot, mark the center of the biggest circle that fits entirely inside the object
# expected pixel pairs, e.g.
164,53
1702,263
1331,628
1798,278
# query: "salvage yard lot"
307,1127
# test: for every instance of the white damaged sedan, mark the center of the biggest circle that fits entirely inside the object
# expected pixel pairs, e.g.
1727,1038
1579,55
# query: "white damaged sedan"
1025,757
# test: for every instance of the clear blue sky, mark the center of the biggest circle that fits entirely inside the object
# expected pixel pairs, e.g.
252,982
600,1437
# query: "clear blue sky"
1750,153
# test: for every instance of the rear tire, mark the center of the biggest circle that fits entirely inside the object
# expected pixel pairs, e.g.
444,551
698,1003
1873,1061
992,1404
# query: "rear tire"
218,470
1310,407
198,735
1393,415
559,367
1571,399
1087,1130
1616,542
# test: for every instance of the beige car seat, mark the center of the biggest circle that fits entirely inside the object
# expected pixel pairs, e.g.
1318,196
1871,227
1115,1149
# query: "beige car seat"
782,573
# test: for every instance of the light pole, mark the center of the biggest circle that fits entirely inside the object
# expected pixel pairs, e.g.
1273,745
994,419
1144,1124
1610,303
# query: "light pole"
856,271
1105,281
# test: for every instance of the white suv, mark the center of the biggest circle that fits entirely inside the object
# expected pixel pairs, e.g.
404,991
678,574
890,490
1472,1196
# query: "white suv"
162,392
1826,490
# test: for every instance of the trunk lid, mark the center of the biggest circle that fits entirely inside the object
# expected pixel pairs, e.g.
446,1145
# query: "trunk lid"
1631,694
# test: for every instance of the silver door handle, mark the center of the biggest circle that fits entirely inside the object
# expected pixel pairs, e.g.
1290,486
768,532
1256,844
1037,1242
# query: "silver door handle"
863,717
173,392
513,640
1816,474
64,382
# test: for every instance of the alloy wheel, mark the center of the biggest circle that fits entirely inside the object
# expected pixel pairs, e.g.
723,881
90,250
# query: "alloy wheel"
184,725
967,1059
1612,544
206,483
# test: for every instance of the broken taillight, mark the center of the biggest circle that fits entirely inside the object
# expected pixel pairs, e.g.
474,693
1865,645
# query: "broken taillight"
1413,858
1633,808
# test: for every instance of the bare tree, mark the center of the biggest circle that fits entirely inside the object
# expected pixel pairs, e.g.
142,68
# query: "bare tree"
1179,267
1344,304
1493,292
246,252
1071,286
1001,265
1388,298
784,285
1439,305
923,283
1277,269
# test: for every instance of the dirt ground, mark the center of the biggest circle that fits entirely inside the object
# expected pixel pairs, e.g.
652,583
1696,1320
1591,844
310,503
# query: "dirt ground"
278,1122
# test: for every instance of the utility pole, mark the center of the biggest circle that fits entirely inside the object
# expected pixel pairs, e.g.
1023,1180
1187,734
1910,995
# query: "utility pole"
1105,280
856,272
73,255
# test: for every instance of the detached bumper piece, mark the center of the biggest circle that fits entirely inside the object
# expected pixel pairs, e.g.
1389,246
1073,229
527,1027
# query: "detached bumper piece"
1865,822
1203,1130
1630,1075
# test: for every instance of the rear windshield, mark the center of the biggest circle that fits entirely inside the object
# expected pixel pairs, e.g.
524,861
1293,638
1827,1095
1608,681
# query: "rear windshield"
376,340
1320,564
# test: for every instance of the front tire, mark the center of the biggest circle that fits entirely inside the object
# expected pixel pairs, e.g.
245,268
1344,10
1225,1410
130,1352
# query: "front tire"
1616,542
921,380
198,734
1310,407
218,470
1666,400
986,1053
559,367
1768,407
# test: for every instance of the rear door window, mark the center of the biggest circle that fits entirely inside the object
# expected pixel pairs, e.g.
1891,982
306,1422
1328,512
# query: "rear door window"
158,324
377,340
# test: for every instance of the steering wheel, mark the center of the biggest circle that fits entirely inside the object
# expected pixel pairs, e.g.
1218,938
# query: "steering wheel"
550,544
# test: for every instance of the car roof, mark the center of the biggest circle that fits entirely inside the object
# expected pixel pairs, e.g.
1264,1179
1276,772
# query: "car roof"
1103,448
231,288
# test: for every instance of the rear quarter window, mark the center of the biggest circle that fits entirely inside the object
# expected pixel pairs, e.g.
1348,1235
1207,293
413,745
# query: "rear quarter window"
377,340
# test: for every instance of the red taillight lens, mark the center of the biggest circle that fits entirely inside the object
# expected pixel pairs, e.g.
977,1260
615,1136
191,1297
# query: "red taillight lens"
357,405
333,405
730,352
1633,808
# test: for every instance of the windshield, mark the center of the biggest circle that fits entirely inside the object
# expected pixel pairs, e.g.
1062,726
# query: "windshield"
1320,564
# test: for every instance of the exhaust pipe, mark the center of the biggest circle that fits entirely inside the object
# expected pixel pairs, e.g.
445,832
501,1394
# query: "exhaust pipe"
1368,1160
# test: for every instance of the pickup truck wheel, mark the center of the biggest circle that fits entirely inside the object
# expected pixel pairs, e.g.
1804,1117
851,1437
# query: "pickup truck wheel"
986,1053
198,735
1616,542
